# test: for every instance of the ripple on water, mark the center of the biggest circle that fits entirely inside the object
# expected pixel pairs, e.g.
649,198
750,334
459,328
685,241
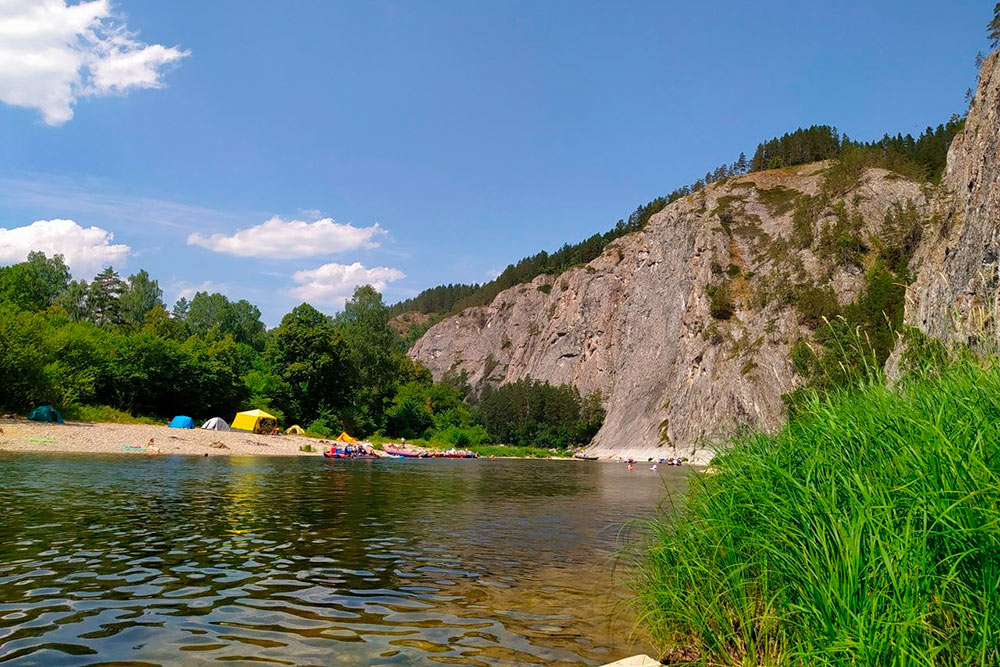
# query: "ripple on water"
292,561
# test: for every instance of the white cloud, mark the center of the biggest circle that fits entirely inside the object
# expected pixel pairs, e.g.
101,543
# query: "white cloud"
86,251
53,53
333,283
288,239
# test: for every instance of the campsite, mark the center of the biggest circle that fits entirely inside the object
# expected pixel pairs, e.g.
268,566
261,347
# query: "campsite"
86,438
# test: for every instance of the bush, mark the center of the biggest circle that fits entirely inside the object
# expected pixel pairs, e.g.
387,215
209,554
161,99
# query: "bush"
816,305
103,414
22,359
866,532
460,437
319,427
720,304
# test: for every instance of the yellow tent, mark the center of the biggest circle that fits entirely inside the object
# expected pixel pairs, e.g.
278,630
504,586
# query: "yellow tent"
343,437
295,430
248,421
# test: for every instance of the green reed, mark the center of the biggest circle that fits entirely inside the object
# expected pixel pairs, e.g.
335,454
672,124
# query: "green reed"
866,532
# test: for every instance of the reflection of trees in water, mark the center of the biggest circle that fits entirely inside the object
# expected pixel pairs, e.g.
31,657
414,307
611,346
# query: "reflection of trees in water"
298,550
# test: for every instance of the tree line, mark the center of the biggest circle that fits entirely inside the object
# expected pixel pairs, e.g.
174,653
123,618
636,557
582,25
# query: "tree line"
112,344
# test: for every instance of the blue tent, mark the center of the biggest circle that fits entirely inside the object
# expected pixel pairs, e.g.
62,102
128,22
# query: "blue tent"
46,413
181,422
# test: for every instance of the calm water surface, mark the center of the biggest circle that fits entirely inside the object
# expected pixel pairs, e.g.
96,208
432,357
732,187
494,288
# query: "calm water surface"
181,560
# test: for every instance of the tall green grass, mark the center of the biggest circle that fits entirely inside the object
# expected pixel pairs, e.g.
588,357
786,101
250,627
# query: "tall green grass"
866,532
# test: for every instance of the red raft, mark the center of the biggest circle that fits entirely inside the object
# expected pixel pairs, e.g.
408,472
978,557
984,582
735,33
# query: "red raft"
334,453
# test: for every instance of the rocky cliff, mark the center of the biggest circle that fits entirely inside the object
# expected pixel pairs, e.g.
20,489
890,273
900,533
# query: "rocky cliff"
955,294
686,327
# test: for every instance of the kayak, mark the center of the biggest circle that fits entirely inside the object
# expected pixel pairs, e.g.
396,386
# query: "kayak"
585,457
334,454
405,454
455,455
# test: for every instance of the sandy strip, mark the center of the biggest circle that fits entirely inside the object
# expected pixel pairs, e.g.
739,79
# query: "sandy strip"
22,435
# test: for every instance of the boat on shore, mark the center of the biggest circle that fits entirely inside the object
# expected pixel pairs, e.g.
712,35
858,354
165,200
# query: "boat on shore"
405,453
414,454
337,453
585,457
455,454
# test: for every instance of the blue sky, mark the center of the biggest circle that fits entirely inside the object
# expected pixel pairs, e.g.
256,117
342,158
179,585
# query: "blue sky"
471,133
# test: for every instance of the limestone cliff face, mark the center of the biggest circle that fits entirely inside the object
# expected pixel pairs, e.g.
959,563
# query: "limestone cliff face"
955,294
635,323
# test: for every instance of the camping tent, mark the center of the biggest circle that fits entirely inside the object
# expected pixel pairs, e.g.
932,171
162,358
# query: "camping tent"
181,421
248,421
45,413
295,430
343,437
216,424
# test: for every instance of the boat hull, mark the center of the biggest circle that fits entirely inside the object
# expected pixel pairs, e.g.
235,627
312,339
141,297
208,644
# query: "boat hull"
405,455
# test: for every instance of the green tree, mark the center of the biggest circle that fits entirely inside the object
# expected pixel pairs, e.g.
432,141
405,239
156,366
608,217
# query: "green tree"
104,298
215,316
159,322
34,284
313,363
73,301
410,414
364,324
22,358
140,296
214,371
993,29
180,309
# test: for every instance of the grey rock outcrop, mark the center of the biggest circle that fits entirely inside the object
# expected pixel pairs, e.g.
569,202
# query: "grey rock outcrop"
636,323
954,296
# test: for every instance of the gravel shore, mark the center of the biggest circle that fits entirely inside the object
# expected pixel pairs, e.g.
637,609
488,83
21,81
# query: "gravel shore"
21,435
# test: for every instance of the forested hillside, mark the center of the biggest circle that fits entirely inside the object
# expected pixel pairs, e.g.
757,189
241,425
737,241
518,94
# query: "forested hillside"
111,350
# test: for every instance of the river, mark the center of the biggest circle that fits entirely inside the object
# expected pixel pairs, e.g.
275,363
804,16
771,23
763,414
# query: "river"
183,560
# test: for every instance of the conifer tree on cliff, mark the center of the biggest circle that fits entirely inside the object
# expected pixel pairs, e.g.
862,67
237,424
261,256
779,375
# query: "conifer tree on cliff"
993,28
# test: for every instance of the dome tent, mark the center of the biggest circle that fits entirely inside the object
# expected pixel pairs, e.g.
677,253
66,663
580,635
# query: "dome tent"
216,424
295,430
45,413
180,421
250,420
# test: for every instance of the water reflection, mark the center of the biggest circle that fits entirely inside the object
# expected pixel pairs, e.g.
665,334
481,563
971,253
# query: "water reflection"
298,561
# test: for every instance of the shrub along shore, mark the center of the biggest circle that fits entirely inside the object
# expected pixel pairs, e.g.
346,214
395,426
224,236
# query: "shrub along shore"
866,532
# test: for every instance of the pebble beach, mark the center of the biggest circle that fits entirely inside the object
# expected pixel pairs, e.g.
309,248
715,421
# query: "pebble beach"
21,435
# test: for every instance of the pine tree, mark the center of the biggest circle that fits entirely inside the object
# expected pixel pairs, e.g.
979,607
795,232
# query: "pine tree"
993,29
104,298
141,295
180,309
741,164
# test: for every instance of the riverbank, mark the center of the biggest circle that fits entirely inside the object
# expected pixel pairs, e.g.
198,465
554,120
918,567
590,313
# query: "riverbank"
865,531
21,435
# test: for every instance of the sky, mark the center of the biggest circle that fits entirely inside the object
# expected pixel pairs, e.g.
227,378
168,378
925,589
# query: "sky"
287,152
